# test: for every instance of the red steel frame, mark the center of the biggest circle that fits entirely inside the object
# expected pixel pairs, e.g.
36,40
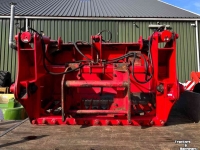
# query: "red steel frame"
43,94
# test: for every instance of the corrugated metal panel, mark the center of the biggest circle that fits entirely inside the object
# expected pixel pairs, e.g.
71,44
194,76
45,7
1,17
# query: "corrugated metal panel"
95,8
186,44
7,55
73,30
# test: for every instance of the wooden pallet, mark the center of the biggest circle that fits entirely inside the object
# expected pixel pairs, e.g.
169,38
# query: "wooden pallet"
4,90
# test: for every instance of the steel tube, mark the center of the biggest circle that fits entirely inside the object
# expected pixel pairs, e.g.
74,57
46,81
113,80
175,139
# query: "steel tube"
98,111
129,104
101,83
26,24
197,45
63,95
12,13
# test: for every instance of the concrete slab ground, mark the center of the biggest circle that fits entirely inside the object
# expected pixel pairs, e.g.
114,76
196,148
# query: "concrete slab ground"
33,137
5,125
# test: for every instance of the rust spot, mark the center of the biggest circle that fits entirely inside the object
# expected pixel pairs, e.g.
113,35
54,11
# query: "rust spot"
120,108
137,59
74,65
121,66
125,84
86,85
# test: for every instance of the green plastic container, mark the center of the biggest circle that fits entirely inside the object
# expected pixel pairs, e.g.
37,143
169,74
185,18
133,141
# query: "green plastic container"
13,110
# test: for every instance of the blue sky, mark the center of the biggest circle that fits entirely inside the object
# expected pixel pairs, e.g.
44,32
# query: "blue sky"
191,5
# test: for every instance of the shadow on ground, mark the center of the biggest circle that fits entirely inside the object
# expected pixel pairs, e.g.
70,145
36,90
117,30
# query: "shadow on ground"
180,113
24,139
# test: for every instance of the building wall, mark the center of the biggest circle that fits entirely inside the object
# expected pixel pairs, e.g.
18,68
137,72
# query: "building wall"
122,31
8,59
73,30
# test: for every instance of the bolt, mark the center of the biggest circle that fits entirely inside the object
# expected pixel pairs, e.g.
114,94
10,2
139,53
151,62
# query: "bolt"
74,122
118,122
54,121
86,122
151,122
33,121
160,88
129,122
96,122
114,75
107,122
44,121
162,122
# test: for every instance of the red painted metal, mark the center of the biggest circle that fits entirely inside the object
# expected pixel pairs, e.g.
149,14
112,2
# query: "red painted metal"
26,37
194,80
165,36
97,83
195,76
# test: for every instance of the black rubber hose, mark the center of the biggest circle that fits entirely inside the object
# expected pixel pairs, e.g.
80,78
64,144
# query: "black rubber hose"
120,58
82,42
78,50
60,73
106,41
44,57
141,82
54,73
43,47
149,53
